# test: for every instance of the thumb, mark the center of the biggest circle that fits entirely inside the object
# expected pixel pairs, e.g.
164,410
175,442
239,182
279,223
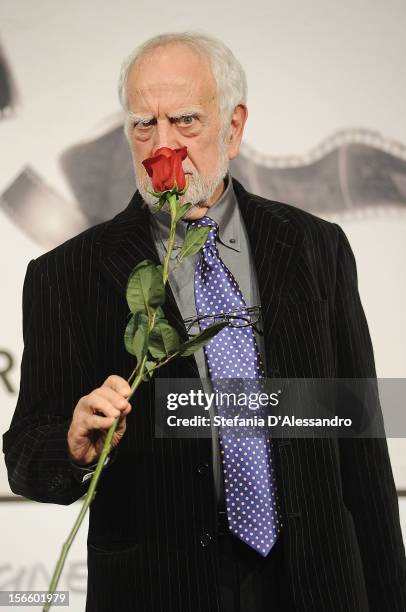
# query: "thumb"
122,424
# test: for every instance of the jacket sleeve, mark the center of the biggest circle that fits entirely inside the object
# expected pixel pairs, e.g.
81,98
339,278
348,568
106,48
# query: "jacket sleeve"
368,486
52,382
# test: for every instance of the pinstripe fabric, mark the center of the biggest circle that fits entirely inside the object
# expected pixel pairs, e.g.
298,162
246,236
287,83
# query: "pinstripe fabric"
152,543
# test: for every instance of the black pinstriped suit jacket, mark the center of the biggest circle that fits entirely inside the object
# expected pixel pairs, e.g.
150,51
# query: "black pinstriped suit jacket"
152,542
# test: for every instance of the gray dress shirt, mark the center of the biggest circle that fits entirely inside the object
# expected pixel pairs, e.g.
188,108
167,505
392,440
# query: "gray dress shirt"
234,250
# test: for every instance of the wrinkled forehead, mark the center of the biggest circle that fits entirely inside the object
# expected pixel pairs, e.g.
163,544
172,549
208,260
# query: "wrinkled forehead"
174,67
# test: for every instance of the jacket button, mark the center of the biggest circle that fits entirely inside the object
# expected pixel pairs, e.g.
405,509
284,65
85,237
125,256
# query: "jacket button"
56,482
202,468
205,539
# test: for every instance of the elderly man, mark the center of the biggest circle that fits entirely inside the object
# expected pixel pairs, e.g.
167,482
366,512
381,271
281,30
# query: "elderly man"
161,532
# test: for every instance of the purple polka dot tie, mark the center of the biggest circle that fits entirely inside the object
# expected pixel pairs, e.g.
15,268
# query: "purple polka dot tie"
249,479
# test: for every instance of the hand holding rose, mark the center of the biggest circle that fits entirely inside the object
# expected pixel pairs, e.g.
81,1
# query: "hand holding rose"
93,416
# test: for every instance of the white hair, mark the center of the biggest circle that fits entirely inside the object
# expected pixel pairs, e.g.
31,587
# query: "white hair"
227,71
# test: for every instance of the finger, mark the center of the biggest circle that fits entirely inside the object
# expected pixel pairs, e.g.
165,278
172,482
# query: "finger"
127,410
115,398
93,421
121,421
121,428
98,402
122,424
118,384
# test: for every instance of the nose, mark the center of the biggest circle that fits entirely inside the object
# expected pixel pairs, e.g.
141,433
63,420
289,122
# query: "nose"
165,135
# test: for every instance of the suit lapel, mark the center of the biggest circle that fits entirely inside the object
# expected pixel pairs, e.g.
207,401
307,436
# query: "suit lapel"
274,241
275,245
126,242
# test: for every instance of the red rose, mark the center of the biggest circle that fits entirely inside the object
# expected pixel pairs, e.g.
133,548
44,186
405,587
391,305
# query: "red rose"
165,167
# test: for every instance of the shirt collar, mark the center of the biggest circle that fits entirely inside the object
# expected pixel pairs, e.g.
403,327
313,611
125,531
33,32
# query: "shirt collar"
225,211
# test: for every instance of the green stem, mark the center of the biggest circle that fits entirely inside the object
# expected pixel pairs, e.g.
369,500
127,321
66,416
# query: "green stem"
161,363
91,492
172,204
138,373
132,375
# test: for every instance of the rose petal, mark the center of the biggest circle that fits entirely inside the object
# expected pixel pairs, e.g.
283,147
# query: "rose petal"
165,167
166,151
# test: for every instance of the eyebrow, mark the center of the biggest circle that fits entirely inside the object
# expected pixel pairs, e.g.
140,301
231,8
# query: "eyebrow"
135,117
176,115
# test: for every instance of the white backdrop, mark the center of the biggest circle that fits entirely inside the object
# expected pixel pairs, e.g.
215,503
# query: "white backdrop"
313,70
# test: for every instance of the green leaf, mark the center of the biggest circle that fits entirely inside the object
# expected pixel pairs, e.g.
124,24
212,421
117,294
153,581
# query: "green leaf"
148,370
159,314
129,334
136,336
163,339
194,240
192,345
182,210
158,205
140,339
145,289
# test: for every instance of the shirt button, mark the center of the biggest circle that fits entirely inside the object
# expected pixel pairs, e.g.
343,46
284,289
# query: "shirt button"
232,240
205,539
202,468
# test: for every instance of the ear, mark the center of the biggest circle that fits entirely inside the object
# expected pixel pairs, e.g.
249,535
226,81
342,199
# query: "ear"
236,129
